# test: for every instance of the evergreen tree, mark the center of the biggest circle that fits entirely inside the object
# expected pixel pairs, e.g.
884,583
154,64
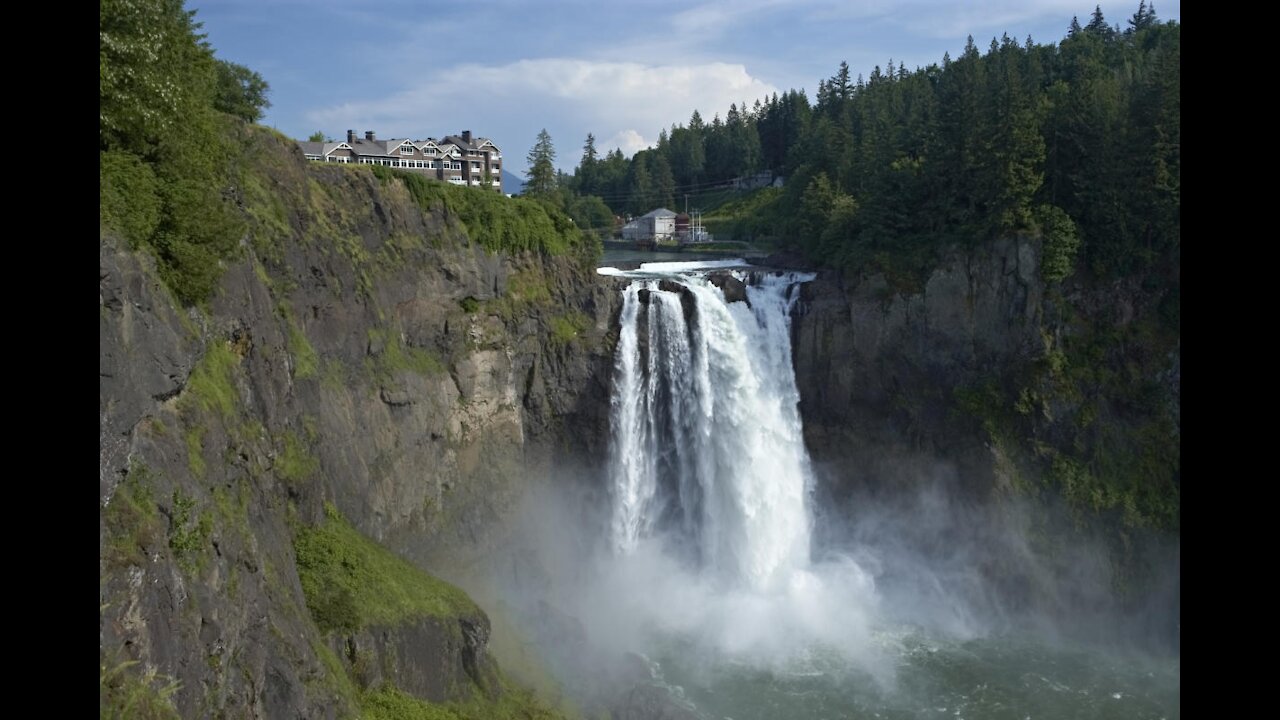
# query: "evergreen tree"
587,174
688,156
695,122
640,186
1098,24
1144,18
839,85
541,181
664,183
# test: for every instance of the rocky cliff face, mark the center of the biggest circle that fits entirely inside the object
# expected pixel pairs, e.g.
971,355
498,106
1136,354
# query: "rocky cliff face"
990,389
364,354
877,370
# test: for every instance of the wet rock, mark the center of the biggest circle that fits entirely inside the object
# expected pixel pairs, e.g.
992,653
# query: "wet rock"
734,289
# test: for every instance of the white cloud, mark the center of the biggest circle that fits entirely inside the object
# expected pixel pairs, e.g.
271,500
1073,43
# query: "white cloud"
629,141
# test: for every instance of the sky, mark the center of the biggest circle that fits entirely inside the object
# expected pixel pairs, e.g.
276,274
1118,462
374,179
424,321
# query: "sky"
620,69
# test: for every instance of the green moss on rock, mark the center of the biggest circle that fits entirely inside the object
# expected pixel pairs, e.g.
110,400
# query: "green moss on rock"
390,703
351,582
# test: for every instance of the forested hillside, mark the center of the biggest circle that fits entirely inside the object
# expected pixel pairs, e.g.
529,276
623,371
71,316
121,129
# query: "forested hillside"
1079,140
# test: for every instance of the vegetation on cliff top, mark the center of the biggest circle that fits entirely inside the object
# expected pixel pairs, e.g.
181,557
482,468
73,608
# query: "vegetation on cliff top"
495,222
177,179
884,171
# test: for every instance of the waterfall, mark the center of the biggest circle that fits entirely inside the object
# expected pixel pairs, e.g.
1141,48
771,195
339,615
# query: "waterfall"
706,451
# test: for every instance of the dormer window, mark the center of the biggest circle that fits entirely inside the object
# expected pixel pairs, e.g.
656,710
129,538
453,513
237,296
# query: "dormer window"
430,151
406,149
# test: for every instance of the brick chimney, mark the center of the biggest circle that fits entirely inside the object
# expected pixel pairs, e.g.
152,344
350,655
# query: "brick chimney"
351,136
466,136
368,135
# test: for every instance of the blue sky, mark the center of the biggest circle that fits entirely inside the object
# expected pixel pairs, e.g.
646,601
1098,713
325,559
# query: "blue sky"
620,69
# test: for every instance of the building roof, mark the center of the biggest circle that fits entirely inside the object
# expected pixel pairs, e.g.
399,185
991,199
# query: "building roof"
660,212
320,148
475,144
387,147
380,147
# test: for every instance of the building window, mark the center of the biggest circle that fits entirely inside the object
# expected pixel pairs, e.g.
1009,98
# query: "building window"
406,149
430,151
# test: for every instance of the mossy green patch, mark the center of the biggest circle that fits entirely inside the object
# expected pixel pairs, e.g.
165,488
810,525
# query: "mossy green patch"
336,679
194,439
390,703
294,463
394,356
334,375
306,362
126,694
232,505
526,291
189,533
132,519
1089,414
565,328
268,219
351,581
212,385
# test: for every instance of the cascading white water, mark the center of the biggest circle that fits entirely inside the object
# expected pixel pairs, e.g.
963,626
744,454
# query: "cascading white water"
706,445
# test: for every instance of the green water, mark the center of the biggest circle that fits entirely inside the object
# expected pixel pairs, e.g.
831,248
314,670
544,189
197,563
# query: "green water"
986,679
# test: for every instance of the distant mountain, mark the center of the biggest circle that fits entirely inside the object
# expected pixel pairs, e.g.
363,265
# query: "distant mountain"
512,184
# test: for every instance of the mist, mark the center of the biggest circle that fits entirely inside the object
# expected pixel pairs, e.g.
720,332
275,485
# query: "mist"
924,563
671,571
